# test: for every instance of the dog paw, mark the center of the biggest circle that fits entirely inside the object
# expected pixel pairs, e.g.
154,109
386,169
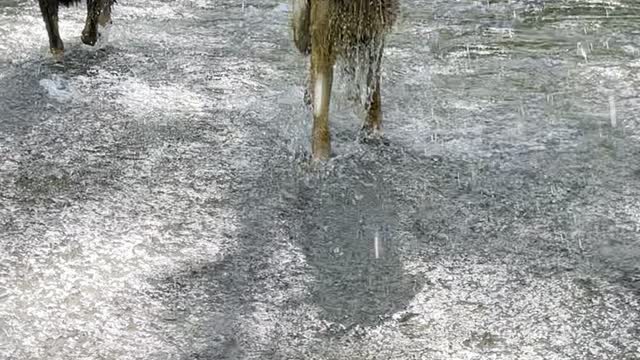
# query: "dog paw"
58,55
103,35
373,137
89,38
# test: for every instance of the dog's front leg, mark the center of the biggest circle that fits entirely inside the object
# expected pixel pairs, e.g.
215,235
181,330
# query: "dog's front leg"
322,61
49,10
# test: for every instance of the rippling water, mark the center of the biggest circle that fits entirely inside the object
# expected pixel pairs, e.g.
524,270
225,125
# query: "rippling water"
156,201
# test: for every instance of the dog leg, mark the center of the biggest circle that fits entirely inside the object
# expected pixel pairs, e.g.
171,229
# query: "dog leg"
90,31
322,61
105,12
373,124
104,21
300,25
49,10
321,79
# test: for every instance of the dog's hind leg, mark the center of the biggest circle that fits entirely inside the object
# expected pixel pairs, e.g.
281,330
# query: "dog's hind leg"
105,12
104,20
300,22
49,10
322,61
300,25
373,123
90,31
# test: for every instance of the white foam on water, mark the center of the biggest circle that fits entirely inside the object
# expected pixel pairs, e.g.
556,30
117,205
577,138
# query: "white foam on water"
103,39
139,98
58,88
91,294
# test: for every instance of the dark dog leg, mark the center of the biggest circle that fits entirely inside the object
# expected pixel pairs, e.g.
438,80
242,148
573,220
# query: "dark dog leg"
90,32
49,9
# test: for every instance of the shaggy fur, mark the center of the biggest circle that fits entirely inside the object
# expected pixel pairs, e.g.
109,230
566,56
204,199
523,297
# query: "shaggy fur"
327,29
98,13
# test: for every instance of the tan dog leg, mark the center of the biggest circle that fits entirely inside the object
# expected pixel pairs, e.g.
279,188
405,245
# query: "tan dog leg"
300,25
322,60
322,78
373,124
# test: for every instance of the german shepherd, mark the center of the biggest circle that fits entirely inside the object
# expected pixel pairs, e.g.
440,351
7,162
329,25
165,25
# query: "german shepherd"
98,12
326,29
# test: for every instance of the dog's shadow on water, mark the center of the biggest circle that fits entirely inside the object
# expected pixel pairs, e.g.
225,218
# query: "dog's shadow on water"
349,231
79,59
342,220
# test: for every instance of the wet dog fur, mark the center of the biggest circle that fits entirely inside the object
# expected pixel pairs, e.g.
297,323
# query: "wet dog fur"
327,29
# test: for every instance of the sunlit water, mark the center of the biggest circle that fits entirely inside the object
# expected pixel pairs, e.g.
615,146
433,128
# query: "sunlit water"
156,201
